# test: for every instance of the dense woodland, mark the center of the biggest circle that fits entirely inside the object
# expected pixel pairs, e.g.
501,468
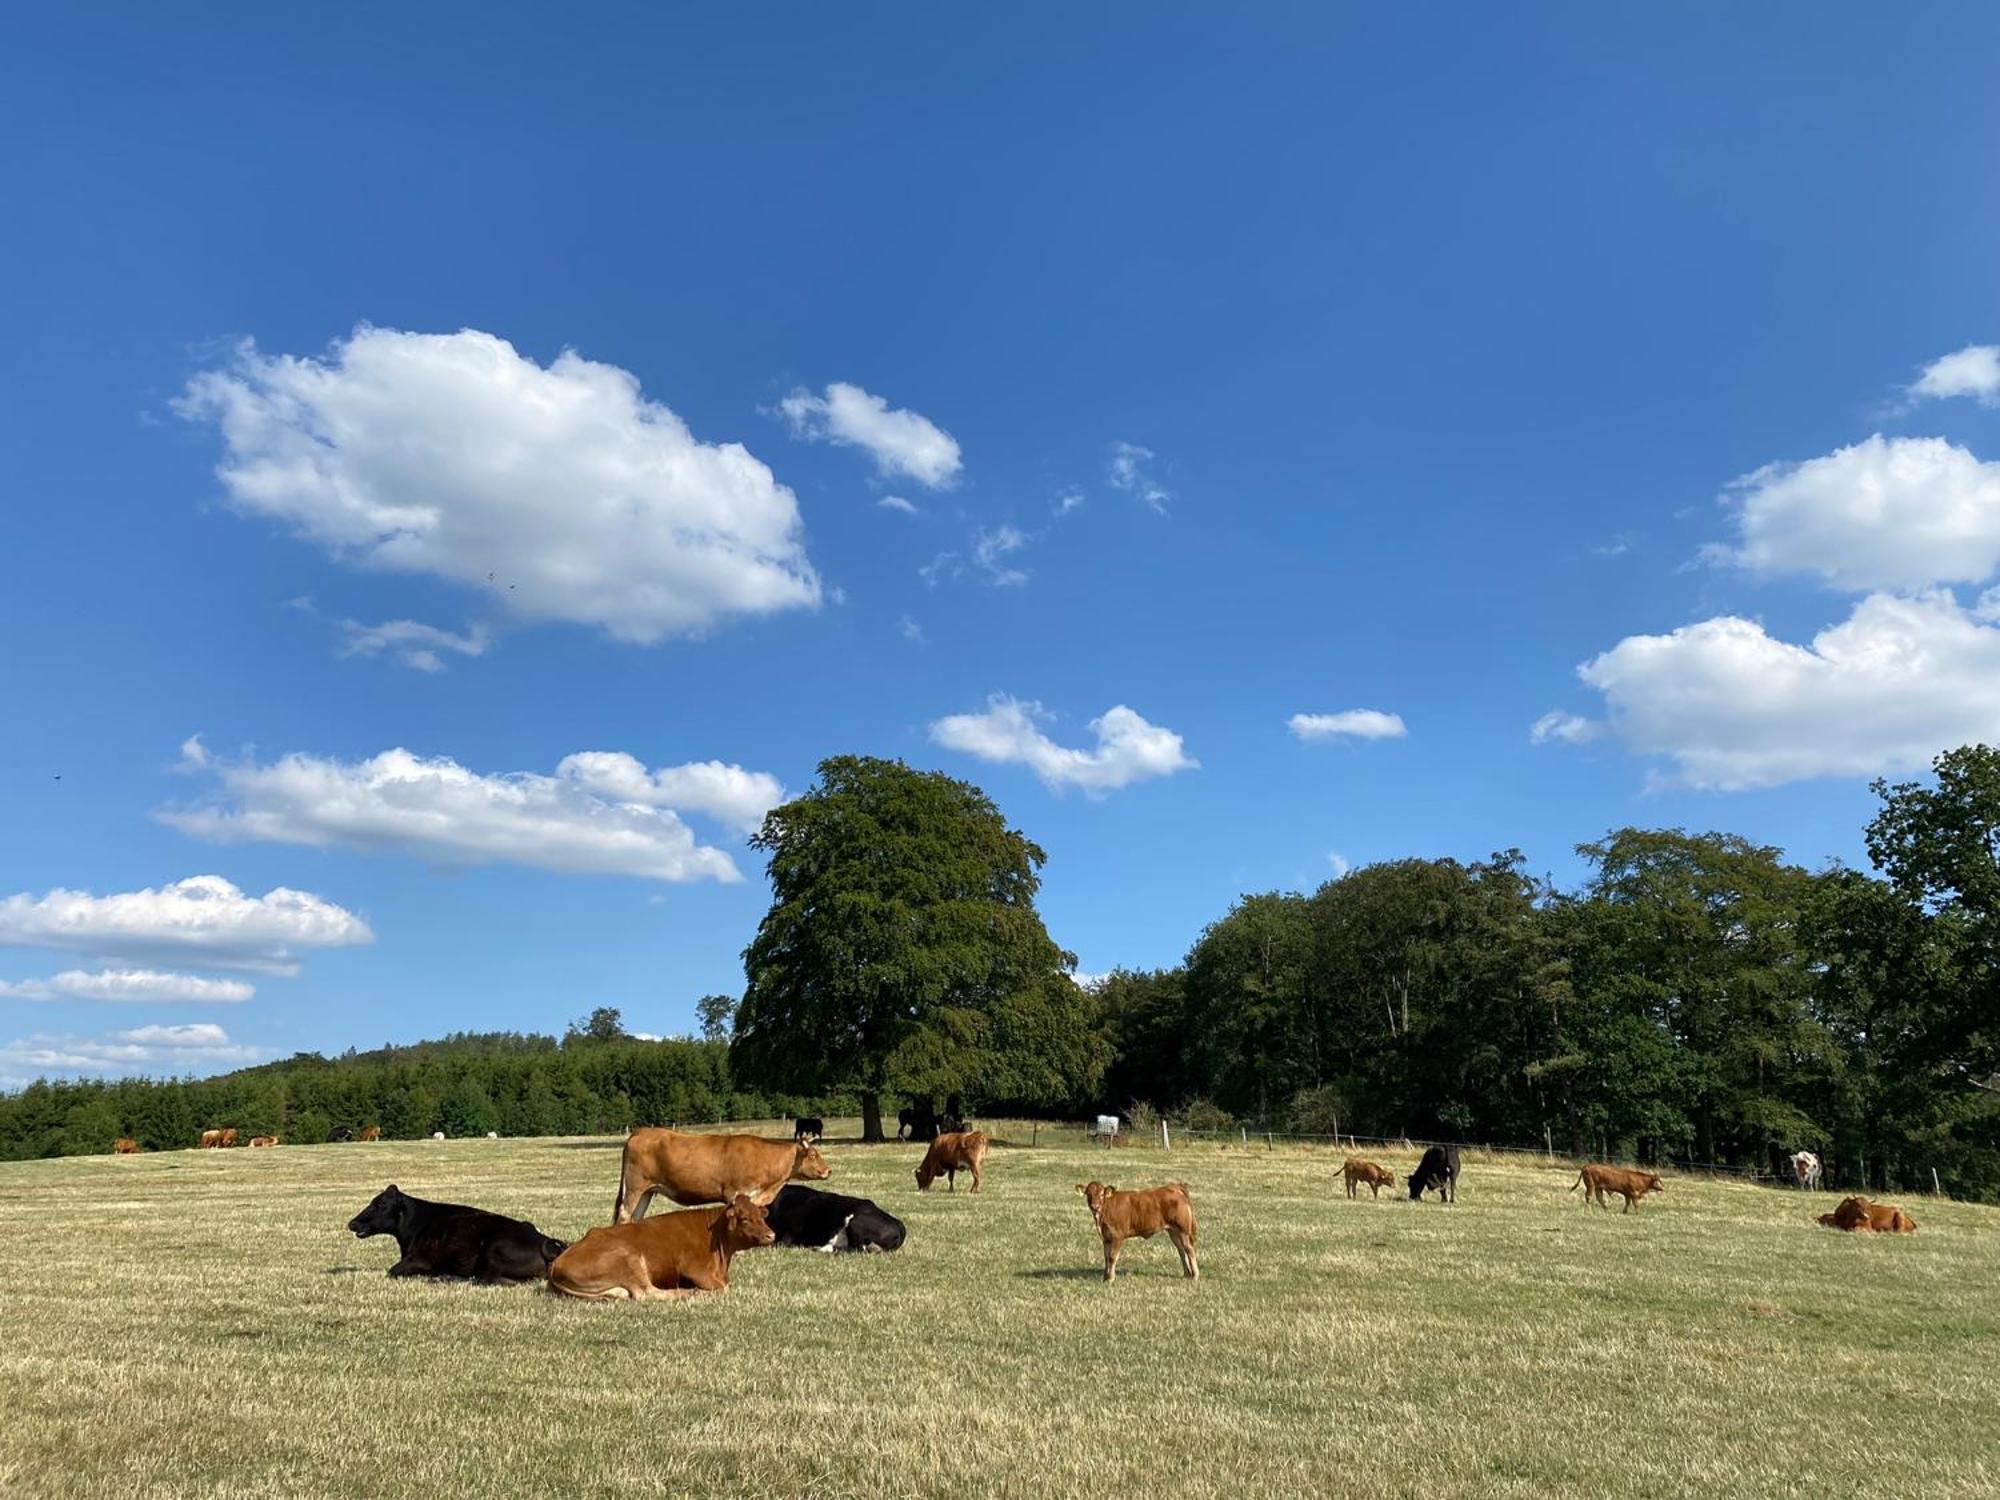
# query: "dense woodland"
1698,999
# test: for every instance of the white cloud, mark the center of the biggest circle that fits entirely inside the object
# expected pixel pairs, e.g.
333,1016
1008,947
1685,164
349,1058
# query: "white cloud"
1341,864
601,813
911,630
204,919
1129,472
725,792
990,549
1882,692
1972,371
900,441
1886,513
560,490
1128,748
945,567
413,643
1351,724
167,1050
129,984
1563,728
1068,501
1088,981
897,502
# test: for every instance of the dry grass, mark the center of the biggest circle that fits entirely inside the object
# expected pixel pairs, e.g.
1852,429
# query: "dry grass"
199,1324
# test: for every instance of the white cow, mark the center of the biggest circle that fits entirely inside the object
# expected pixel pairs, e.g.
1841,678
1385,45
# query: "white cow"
1806,1167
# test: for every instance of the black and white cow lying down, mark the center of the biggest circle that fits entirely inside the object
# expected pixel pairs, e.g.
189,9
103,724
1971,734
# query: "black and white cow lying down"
449,1239
813,1220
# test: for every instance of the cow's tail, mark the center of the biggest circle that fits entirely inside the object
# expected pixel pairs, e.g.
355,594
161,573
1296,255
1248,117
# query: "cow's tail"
624,1177
1578,1183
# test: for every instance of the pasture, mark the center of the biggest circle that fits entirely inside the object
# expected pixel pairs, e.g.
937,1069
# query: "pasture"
201,1324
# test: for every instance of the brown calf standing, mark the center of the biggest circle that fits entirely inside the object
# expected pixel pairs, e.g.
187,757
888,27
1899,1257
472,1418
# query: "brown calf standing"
1377,1177
669,1255
126,1146
371,1133
1597,1181
954,1152
1141,1215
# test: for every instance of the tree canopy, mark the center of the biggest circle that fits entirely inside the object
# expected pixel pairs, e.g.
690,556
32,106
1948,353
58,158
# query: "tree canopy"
903,951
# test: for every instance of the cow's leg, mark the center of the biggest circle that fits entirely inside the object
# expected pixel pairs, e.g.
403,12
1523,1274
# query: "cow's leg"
975,1176
1111,1247
951,1179
408,1267
1185,1245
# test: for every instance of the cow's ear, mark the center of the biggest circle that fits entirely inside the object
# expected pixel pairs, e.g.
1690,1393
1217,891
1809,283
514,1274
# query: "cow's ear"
392,1188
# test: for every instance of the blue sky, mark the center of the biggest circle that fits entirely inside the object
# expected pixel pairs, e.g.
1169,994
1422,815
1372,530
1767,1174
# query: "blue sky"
1316,360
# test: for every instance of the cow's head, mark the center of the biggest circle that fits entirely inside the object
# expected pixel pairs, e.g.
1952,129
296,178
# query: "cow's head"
808,1165
1418,1181
1653,1183
744,1225
1094,1194
383,1216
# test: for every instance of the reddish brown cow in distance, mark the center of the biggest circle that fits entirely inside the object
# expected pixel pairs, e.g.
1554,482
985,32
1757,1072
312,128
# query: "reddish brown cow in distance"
692,1168
1141,1215
1596,1181
675,1255
952,1153
126,1146
1861,1216
371,1133
1377,1177
214,1139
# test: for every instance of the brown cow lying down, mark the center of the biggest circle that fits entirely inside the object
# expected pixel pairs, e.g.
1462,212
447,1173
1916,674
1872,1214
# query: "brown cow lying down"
1596,1181
708,1168
263,1140
126,1146
1864,1217
1356,1170
675,1255
1141,1215
952,1153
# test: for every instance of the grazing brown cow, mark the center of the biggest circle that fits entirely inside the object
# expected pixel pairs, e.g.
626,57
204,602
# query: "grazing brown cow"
708,1169
952,1153
263,1140
210,1139
1356,1171
126,1146
229,1135
1859,1215
1141,1215
675,1255
1596,1181
371,1133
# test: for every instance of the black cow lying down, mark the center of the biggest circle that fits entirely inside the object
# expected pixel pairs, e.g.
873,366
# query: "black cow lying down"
813,1220
449,1239
1438,1169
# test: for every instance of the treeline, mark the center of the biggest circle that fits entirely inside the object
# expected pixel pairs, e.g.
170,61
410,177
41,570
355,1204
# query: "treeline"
1698,1000
465,1085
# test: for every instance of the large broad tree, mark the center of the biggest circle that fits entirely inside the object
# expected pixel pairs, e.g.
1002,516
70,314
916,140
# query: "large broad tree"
903,951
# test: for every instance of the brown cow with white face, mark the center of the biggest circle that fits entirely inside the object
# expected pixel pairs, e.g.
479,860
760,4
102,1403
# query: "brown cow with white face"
691,1169
674,1255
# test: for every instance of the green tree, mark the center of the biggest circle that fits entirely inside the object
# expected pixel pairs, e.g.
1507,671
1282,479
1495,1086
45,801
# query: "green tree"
717,1014
468,1109
604,1024
903,950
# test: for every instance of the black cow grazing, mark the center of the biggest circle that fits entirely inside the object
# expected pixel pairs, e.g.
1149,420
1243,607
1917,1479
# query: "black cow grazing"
1438,1169
808,1128
949,1125
813,1220
449,1239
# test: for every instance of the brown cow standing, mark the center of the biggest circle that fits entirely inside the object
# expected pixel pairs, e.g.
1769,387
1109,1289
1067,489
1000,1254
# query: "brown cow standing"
229,1135
675,1255
210,1139
1377,1177
371,1133
1859,1215
708,1169
954,1152
1596,1181
1141,1215
126,1146
263,1140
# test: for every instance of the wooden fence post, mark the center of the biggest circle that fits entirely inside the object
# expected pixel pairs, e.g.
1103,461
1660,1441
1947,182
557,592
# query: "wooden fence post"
1166,1141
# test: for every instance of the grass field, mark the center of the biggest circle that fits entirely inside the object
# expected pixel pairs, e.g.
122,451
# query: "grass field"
200,1324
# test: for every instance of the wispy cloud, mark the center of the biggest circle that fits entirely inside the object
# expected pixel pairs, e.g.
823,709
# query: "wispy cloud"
1349,724
1130,470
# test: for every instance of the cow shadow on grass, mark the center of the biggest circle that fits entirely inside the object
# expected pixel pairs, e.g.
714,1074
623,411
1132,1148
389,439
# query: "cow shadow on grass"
1085,1273
590,1145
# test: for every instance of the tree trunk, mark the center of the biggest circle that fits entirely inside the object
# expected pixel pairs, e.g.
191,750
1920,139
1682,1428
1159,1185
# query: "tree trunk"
871,1117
